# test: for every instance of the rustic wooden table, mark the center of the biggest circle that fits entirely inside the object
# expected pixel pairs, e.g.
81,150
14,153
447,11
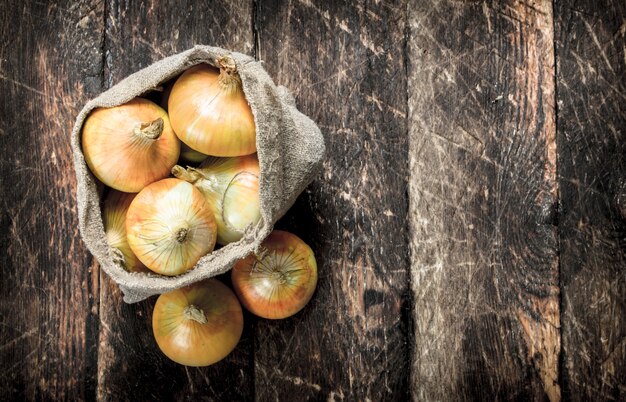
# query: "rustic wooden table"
469,221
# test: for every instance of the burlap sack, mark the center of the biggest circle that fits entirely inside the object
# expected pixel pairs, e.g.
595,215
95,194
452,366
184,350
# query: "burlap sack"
290,150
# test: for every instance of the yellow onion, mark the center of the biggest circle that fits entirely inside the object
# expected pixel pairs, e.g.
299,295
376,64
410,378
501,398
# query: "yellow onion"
197,325
209,111
130,146
169,226
231,187
114,219
280,281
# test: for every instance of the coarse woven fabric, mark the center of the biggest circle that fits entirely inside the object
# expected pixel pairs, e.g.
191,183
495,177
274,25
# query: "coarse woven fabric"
290,149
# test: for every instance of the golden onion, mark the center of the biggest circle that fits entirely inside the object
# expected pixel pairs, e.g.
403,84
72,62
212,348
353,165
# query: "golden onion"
198,325
280,281
209,111
130,146
114,219
169,226
189,155
231,187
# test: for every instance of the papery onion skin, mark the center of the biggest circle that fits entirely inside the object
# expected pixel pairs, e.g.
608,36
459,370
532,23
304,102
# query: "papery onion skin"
209,112
169,226
209,330
231,187
281,281
130,146
114,212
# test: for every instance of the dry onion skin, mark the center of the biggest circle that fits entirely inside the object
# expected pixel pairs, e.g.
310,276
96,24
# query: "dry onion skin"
130,146
231,187
114,220
281,281
198,325
209,111
169,226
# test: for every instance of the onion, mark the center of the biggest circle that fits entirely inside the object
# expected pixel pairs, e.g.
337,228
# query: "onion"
130,146
189,155
209,111
170,226
279,282
114,218
231,187
198,325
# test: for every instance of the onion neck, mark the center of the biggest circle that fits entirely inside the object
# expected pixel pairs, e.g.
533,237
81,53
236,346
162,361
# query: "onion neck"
192,312
229,77
190,175
151,130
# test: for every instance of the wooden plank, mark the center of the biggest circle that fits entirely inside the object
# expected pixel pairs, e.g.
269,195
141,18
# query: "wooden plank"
483,200
50,64
130,365
591,88
345,64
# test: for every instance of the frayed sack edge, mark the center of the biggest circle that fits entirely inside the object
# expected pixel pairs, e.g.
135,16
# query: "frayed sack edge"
290,149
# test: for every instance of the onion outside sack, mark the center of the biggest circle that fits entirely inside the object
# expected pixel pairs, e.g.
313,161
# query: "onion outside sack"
129,146
197,325
279,281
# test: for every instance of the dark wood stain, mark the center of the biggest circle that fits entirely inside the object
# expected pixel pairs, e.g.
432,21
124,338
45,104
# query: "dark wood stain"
591,87
469,221
483,185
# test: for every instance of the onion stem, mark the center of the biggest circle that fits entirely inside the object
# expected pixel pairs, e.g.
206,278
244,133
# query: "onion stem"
190,175
229,77
151,130
192,312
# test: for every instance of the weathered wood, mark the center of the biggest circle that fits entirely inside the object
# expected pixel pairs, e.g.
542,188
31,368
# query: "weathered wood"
345,64
481,156
130,365
49,285
483,200
591,89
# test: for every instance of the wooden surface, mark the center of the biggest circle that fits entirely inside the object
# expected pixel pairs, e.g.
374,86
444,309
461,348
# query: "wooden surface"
591,99
469,220
483,198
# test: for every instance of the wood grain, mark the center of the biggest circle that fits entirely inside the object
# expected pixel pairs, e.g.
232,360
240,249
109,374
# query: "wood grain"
344,62
49,286
454,262
130,365
591,88
483,200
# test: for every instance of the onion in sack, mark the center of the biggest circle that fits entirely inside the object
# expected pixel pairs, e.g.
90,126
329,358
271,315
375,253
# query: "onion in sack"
231,187
129,146
209,111
169,226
